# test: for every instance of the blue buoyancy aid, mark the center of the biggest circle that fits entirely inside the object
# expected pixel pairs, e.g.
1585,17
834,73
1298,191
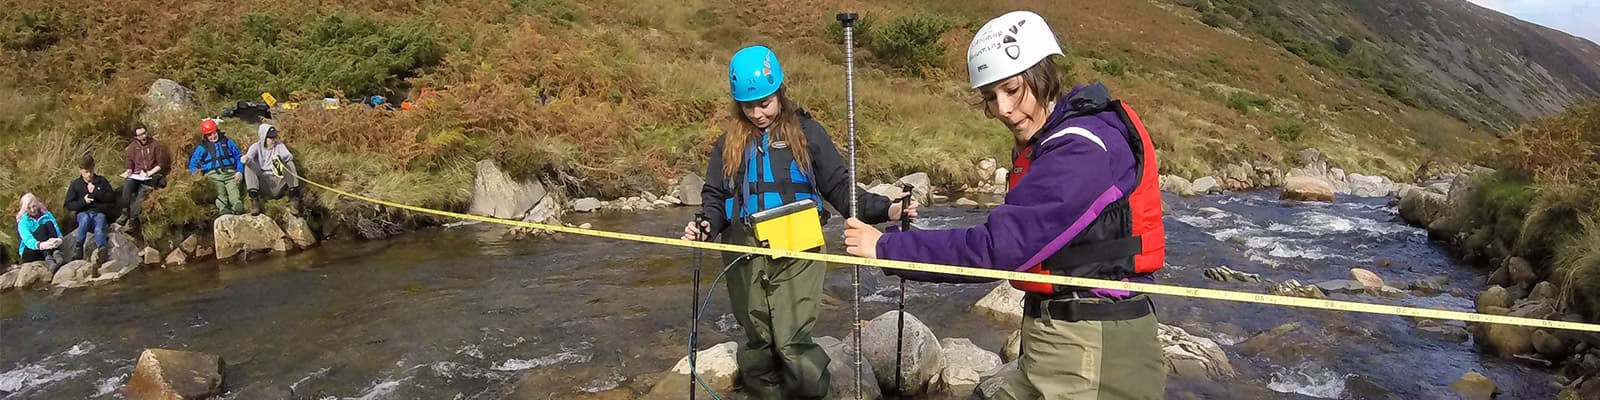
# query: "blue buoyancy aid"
764,188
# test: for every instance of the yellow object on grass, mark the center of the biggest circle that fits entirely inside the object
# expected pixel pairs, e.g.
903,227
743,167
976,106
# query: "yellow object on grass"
795,226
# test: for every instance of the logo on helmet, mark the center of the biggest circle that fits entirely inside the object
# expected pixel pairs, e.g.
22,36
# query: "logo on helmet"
1013,50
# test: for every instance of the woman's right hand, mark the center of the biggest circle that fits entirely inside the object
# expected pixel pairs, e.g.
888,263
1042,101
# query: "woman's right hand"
690,232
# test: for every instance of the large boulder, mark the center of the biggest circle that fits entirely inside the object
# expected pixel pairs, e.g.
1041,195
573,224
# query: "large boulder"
240,234
923,360
587,204
1177,185
1521,272
175,375
298,232
1368,279
1003,303
74,274
1544,291
1205,185
842,369
921,186
1508,340
1494,296
123,257
1193,356
689,188
716,366
166,96
496,194
1422,208
1342,286
150,256
1370,186
1550,345
1453,218
966,363
1304,188
176,258
548,212
1474,386
1238,176
25,275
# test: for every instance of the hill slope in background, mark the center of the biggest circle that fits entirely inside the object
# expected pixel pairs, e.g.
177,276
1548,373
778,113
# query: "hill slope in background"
612,97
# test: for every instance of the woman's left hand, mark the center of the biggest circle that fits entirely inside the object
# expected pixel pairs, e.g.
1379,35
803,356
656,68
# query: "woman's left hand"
860,239
896,214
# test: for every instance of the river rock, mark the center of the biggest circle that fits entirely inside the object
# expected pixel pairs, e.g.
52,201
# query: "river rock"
1342,286
1205,185
1543,291
923,361
966,362
167,96
1508,340
885,190
1430,286
123,257
1541,309
1370,186
1225,274
1550,345
1193,356
190,244
1474,386
1368,279
74,274
689,188
1448,333
150,256
967,203
1500,277
1307,189
843,370
921,186
1002,177
1493,296
989,386
1013,348
716,366
547,212
25,275
177,257
985,168
1237,176
1521,272
1422,208
175,375
298,232
587,204
241,234
1177,185
1294,288
496,194
1003,303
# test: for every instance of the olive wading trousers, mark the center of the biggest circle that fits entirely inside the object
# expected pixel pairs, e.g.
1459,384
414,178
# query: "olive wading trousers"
776,302
1088,360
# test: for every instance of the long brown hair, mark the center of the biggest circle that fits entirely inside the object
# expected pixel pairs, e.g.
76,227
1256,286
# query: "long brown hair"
740,133
1044,80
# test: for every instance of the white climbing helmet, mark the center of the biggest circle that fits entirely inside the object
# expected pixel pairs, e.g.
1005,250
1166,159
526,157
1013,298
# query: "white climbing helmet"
1008,45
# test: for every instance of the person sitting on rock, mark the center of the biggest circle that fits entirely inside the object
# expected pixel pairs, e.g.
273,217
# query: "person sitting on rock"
146,171
263,178
217,157
92,199
40,236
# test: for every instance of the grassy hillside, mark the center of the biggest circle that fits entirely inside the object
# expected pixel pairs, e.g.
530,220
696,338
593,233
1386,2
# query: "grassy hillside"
613,97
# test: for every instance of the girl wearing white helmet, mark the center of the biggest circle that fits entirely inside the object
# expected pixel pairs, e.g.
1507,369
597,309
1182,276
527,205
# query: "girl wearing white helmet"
1084,201
755,166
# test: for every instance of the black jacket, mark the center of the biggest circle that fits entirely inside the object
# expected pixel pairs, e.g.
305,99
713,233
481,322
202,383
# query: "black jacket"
830,170
105,200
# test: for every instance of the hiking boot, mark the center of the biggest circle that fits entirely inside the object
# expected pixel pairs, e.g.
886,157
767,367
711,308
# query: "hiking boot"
297,204
257,204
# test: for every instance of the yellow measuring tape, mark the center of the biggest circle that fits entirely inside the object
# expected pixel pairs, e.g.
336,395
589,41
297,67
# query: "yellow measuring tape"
1151,288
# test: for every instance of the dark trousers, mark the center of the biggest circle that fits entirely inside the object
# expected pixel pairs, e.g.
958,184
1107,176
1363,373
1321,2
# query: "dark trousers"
133,195
43,233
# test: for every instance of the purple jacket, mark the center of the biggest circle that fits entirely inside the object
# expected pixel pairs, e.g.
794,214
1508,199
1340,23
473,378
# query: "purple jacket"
1080,165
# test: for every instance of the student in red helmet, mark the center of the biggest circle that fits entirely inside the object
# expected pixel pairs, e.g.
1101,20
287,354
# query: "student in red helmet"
217,156
1084,202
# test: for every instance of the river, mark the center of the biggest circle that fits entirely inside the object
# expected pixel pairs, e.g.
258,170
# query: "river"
462,312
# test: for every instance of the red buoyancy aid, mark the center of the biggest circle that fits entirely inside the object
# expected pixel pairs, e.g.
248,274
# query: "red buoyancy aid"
1128,238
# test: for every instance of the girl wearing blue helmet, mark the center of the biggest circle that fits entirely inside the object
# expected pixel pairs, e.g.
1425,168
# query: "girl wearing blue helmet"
756,166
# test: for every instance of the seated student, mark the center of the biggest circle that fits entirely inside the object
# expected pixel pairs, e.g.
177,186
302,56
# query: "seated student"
92,199
37,230
262,179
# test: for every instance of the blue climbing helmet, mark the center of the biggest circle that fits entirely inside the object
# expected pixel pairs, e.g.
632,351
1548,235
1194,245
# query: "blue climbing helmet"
754,73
